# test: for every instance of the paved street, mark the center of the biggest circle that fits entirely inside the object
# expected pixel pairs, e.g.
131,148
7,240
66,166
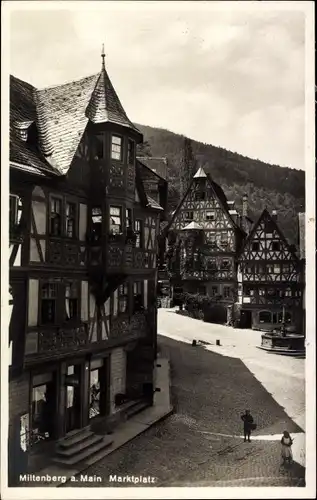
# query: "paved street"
201,444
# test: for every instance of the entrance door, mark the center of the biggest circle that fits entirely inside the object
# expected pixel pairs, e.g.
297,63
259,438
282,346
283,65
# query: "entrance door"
43,406
73,398
98,388
246,319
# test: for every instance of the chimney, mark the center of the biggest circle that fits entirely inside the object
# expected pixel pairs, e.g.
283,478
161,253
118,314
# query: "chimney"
274,215
245,205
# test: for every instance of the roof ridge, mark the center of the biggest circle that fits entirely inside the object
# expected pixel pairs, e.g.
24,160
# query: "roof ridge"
69,82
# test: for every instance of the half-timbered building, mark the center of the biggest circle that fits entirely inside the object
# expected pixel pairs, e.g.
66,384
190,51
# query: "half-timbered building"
270,282
83,237
204,236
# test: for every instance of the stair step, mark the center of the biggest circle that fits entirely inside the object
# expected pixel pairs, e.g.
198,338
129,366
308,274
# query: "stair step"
77,448
88,452
76,438
137,408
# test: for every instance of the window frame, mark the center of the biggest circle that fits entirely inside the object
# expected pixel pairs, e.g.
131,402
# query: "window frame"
117,136
213,218
117,216
277,245
226,292
74,217
55,197
138,233
257,243
123,293
102,141
42,300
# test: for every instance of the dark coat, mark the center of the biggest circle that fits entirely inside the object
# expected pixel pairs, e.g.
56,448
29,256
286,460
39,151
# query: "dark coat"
247,421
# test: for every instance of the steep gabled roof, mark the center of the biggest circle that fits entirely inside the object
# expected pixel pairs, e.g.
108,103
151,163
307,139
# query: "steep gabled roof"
61,114
157,165
265,215
220,195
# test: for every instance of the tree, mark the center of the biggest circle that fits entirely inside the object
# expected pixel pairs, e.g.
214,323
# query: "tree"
144,149
188,166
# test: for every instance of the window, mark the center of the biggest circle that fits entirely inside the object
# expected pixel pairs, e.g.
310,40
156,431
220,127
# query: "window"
131,152
255,246
210,215
138,232
249,268
265,317
56,217
96,217
128,218
214,291
189,215
48,303
94,393
201,289
213,240
261,292
225,264
116,148
99,147
269,268
123,295
43,408
224,238
286,268
226,291
275,246
115,220
288,292
70,220
137,296
211,264
249,292
200,195
15,209
277,268
71,301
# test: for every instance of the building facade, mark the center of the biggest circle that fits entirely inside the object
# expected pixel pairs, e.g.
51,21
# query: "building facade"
270,281
83,239
204,236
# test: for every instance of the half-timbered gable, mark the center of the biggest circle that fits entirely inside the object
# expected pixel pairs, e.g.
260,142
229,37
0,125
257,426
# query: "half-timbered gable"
269,274
84,221
204,239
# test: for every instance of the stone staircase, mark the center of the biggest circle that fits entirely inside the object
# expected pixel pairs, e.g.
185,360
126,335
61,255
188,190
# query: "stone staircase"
81,446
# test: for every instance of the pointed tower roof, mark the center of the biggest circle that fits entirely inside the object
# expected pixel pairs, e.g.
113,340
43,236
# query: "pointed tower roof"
104,104
200,174
63,111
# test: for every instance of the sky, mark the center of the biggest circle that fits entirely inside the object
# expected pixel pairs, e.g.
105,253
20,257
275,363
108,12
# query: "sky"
230,77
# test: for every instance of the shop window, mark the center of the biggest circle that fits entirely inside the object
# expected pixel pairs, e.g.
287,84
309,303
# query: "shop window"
96,220
138,232
265,317
56,217
43,407
48,303
123,296
115,220
255,246
99,147
70,220
131,152
116,148
71,301
94,393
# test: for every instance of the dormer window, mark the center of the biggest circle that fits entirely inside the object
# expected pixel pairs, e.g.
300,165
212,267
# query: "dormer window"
131,152
116,147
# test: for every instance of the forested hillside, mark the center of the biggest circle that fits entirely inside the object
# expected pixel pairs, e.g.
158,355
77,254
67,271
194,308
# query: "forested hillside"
271,186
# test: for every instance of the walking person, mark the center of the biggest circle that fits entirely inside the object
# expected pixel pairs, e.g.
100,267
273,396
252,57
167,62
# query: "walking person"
248,425
286,452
